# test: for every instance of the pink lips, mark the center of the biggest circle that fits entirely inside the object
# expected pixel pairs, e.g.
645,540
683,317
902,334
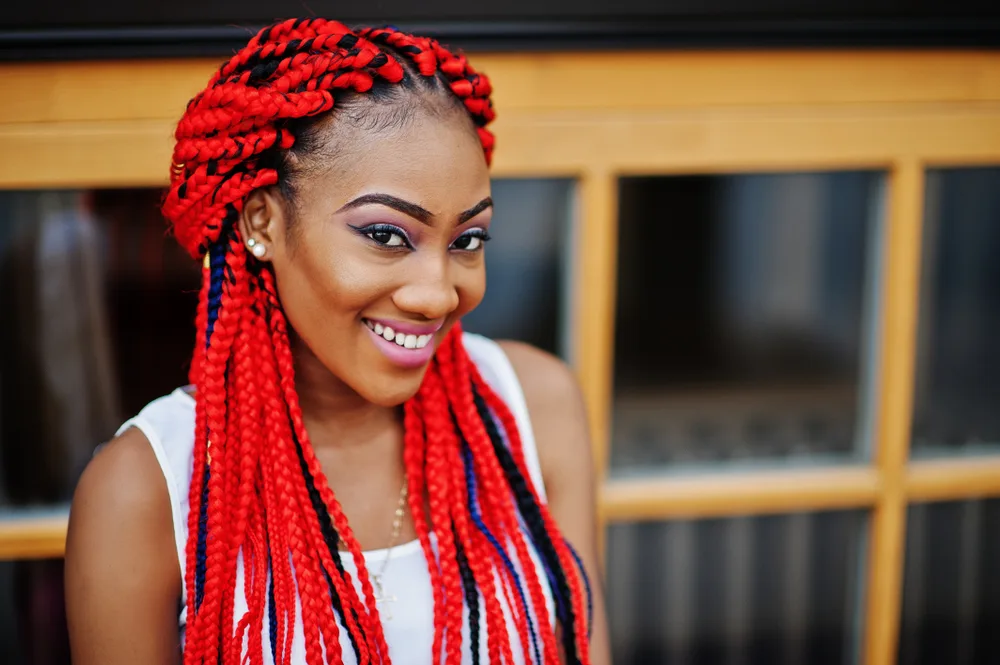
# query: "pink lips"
401,356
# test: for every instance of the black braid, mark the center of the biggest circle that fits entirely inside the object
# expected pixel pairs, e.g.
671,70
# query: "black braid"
331,539
471,599
532,515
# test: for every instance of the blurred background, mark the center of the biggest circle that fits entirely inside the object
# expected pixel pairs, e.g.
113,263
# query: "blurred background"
763,234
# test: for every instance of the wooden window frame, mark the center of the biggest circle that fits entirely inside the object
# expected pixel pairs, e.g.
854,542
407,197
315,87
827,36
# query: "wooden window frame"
596,117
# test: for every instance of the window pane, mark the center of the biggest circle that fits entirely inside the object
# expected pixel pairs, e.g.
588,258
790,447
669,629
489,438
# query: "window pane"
742,321
527,264
958,358
100,321
951,587
776,590
32,613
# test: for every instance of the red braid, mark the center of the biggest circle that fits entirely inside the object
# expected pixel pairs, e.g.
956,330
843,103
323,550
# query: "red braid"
258,492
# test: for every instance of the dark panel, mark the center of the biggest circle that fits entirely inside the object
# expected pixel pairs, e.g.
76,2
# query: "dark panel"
228,12
126,28
958,360
951,587
766,590
32,613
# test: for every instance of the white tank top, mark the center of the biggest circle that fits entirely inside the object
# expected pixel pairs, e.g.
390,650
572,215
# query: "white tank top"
408,623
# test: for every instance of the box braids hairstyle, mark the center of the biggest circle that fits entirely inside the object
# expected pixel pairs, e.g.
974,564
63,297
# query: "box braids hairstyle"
257,487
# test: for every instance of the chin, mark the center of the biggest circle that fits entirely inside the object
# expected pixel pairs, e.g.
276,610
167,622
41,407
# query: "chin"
393,391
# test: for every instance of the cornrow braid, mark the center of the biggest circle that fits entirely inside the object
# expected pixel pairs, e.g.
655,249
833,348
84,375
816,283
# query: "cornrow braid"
258,492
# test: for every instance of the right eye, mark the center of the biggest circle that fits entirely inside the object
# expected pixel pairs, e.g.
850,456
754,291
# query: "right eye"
385,235
387,238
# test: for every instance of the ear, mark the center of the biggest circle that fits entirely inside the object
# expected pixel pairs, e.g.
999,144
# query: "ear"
263,222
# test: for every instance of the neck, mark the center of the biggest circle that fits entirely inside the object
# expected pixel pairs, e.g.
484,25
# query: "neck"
335,415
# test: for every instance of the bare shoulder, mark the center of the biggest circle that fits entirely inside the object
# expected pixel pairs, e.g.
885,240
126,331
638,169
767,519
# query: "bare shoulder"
123,481
549,385
122,575
555,405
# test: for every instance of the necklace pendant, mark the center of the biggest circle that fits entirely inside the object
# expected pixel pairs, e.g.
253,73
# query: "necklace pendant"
381,598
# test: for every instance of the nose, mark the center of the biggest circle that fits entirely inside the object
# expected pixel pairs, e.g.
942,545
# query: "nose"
429,291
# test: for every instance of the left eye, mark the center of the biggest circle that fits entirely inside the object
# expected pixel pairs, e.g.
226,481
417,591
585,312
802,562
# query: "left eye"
471,242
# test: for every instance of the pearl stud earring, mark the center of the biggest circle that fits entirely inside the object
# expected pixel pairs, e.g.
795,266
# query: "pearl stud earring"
256,248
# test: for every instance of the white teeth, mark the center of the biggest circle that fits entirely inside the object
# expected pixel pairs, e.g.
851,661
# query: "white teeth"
400,338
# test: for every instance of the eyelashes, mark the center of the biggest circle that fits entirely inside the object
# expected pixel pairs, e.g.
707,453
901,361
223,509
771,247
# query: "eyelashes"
472,240
394,238
385,235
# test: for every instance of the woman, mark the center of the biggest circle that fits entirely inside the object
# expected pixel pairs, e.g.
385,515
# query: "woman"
350,478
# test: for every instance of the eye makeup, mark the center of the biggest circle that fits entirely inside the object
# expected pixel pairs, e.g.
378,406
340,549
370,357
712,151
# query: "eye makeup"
386,236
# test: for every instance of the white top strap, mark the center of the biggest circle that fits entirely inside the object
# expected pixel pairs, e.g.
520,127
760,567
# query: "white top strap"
496,370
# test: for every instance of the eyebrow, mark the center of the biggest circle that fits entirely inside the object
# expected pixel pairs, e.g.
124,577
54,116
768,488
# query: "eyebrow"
412,209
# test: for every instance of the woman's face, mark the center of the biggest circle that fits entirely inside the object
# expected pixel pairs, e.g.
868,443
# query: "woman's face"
385,252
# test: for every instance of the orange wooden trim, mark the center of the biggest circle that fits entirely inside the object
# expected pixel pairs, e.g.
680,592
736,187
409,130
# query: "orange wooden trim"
595,278
33,537
594,302
129,90
896,353
953,479
739,493
135,153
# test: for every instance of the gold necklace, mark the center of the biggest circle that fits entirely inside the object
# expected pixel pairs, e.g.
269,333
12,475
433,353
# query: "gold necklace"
377,578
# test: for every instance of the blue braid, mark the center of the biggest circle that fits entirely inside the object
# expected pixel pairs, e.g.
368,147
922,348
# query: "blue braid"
586,584
201,559
216,275
477,519
272,611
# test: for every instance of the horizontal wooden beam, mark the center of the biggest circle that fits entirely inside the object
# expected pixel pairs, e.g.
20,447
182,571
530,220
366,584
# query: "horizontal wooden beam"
707,495
136,153
953,479
553,81
33,537
739,493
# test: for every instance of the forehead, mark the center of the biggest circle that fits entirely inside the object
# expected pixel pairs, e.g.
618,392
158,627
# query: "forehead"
433,159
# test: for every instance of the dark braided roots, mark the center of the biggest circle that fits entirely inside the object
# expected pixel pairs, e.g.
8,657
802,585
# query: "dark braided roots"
258,491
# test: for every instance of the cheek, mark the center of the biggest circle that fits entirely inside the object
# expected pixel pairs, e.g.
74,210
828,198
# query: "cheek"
322,285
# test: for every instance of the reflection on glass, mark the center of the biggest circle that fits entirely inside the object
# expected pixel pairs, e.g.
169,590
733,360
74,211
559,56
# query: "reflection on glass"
32,613
778,590
742,310
951,585
526,264
958,358
99,320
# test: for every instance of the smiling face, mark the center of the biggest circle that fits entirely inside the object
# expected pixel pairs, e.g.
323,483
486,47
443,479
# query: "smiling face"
381,250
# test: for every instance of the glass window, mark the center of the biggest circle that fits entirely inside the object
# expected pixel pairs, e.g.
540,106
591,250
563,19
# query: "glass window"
100,321
776,590
32,613
958,359
527,265
743,316
951,584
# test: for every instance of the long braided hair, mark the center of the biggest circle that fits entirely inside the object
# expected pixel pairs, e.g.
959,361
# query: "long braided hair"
257,487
